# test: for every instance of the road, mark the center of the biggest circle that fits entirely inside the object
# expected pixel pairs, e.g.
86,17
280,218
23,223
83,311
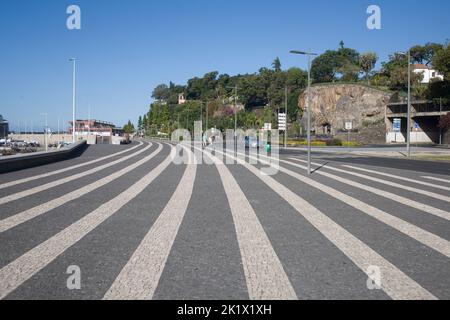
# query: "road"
396,151
132,224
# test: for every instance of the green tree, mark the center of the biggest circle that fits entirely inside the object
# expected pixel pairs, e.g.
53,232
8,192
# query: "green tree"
296,78
276,64
425,54
396,71
140,123
441,61
367,62
165,118
129,128
145,123
161,92
325,67
348,64
342,64
441,89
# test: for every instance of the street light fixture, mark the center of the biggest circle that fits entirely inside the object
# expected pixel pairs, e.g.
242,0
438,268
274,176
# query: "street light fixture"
408,121
45,131
73,60
308,99
235,117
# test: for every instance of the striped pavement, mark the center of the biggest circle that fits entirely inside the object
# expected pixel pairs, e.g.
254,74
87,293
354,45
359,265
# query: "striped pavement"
138,226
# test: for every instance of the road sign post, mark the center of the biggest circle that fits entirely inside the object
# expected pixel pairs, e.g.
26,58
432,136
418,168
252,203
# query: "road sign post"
282,123
397,127
348,127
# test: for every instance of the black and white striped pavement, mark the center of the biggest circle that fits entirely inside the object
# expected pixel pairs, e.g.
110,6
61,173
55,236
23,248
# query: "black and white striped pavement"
139,226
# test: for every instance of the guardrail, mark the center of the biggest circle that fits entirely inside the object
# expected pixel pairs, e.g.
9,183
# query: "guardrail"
24,161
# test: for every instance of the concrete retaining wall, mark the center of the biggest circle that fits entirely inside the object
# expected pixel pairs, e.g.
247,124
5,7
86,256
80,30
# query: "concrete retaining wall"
54,138
23,161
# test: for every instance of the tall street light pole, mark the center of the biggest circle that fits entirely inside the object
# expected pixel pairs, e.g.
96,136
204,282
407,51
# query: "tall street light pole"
308,101
206,110
235,109
408,122
440,117
408,112
73,60
46,131
235,88
286,113
89,121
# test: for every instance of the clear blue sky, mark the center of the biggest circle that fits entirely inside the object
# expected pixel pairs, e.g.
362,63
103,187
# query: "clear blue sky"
126,48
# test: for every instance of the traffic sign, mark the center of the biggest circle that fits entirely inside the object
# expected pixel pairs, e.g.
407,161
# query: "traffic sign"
397,125
348,125
282,121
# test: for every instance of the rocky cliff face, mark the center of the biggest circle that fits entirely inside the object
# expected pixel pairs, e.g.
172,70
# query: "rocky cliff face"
333,105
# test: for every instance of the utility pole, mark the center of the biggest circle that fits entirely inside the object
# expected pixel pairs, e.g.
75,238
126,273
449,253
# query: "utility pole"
201,114
309,112
73,60
45,131
308,102
286,112
408,113
235,120
235,88
409,106
207,127
187,119
89,120
235,109
440,117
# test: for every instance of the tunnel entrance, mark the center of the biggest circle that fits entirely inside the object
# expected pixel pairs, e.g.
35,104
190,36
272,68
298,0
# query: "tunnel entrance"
425,117
425,130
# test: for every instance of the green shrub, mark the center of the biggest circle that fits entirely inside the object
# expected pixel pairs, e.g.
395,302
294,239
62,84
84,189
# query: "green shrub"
352,144
334,143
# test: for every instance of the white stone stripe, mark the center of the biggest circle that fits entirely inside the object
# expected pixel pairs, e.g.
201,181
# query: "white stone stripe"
140,277
394,282
425,237
399,178
389,195
264,273
388,183
438,179
23,268
29,192
52,173
34,212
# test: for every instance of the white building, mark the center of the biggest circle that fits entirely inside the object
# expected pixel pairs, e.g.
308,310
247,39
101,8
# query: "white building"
181,99
427,72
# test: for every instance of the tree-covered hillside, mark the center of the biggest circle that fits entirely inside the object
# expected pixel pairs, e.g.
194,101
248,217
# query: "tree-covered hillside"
212,96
